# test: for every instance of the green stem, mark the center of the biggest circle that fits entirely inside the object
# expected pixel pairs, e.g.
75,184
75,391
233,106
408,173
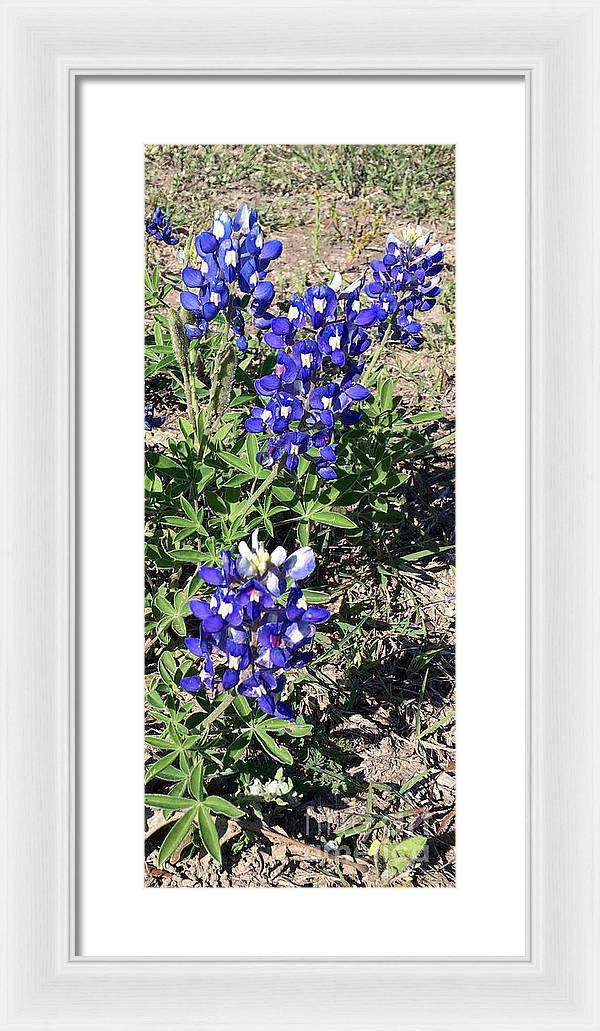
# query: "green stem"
257,493
194,396
180,347
214,715
377,352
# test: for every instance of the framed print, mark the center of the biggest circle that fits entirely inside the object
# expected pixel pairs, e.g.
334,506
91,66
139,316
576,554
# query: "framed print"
283,232
308,840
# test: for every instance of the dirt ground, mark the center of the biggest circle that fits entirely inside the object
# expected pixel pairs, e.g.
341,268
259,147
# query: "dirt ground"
387,712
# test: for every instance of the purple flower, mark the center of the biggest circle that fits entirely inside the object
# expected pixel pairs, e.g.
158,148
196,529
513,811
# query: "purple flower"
151,421
321,304
297,608
266,688
158,227
237,654
248,638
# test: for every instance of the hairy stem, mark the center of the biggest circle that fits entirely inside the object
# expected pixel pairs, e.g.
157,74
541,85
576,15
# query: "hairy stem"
265,484
180,349
221,707
377,352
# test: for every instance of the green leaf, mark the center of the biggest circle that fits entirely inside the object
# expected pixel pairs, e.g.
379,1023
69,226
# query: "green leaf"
158,460
316,597
403,853
239,745
426,553
208,833
188,555
197,780
303,534
178,625
425,417
241,706
159,742
216,503
220,805
163,605
251,449
279,752
283,493
161,764
189,510
287,727
330,518
176,835
385,395
167,668
235,461
154,699
171,802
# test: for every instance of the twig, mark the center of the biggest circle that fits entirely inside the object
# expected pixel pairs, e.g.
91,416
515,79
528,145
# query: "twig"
301,846
283,839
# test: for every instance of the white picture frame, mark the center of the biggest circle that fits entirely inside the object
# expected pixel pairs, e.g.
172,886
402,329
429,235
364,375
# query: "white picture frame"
47,45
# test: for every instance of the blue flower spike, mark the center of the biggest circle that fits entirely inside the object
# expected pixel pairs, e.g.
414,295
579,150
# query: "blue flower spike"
233,260
158,227
248,637
321,342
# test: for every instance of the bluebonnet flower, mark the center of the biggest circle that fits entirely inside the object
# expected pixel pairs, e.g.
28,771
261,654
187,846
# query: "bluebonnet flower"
406,281
320,343
205,678
325,462
233,261
279,411
151,421
266,689
305,400
248,637
221,611
158,227
321,304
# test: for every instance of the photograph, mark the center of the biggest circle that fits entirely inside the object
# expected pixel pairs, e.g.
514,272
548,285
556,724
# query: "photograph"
299,523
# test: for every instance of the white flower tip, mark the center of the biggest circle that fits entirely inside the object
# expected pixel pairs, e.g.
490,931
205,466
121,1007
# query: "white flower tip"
336,281
278,556
352,286
244,551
